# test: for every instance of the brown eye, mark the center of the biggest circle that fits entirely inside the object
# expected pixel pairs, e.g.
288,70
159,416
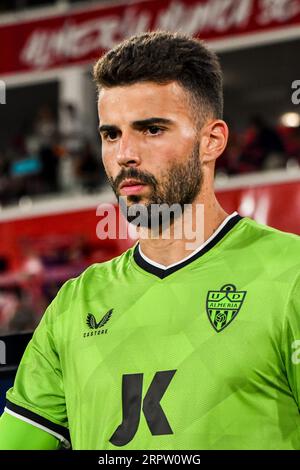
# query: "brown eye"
110,135
154,130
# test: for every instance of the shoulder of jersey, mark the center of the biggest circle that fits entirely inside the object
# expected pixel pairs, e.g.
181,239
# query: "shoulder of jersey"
97,271
273,243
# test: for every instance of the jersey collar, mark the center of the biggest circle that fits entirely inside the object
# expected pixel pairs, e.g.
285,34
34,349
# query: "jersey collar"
162,271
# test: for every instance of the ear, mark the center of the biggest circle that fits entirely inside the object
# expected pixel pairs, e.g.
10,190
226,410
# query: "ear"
214,136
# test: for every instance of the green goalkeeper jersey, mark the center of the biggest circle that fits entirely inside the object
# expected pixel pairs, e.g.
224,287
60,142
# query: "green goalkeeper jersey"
203,354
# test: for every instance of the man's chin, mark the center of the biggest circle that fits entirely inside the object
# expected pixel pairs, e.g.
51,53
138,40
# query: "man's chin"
148,215
133,206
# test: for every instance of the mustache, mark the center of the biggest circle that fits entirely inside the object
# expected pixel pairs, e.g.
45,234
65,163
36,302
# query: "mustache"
143,177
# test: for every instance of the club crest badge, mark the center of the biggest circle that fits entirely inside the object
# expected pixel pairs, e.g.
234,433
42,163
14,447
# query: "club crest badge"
222,306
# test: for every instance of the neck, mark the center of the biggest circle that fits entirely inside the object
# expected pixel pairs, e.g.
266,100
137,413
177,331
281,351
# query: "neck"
198,224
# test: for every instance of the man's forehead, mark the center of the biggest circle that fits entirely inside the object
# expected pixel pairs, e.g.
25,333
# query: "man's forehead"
143,98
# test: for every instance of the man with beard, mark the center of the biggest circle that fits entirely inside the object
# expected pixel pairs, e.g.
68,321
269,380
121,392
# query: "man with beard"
165,346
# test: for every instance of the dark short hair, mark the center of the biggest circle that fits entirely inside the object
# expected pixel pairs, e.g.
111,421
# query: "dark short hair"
163,57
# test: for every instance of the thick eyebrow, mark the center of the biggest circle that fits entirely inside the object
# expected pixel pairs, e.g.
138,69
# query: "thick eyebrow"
139,124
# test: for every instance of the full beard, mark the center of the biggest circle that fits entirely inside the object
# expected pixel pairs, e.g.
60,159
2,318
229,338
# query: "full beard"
179,186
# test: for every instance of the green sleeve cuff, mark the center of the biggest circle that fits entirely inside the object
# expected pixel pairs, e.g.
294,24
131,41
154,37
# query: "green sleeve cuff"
16,434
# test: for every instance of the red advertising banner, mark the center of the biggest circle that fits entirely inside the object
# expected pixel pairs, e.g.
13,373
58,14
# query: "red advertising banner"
82,36
277,205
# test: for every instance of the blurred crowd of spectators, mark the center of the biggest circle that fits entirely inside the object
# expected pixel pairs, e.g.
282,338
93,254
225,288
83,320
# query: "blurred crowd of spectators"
51,157
260,147
46,263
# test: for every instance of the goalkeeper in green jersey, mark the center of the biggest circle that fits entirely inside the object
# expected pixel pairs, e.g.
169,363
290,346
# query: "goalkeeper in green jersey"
167,346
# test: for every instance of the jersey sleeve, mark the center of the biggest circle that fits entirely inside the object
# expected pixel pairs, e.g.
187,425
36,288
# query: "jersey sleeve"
37,396
291,340
16,434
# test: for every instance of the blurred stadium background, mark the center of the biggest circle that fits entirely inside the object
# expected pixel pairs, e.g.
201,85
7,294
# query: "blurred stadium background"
51,176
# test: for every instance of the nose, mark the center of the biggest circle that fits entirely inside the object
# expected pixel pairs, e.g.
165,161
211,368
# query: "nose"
128,152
